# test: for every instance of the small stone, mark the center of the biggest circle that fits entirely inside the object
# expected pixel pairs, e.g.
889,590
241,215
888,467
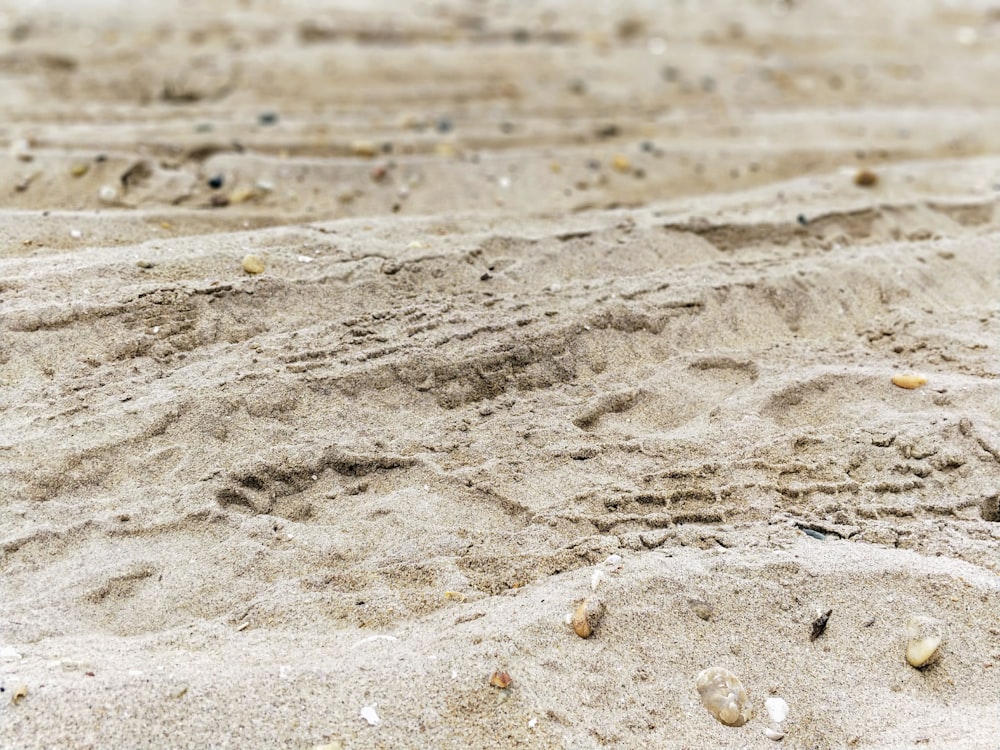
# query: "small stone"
866,178
145,264
621,163
366,149
20,692
75,234
79,169
242,195
267,118
108,193
216,181
253,264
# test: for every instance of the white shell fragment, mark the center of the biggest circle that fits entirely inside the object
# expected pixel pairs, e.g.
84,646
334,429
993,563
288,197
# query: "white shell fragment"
774,734
595,579
369,714
777,709
723,695
924,637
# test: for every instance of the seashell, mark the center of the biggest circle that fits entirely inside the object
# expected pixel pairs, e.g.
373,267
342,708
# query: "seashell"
777,709
723,695
774,734
20,692
586,616
501,680
924,637
909,380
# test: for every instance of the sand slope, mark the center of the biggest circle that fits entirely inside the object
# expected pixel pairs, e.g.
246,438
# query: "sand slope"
541,288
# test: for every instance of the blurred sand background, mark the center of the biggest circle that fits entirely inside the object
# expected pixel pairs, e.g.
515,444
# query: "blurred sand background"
545,283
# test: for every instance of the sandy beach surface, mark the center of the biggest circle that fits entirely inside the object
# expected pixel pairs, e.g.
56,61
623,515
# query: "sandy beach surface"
559,301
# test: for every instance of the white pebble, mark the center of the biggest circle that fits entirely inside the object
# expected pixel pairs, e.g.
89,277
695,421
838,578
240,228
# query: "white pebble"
595,579
369,714
75,234
777,709
532,723
108,193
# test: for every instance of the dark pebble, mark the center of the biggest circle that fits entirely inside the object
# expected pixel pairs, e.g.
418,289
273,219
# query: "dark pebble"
444,125
608,131
216,181
814,534
801,218
267,118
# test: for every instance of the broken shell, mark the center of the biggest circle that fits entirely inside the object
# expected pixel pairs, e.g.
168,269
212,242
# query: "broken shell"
924,637
586,616
596,578
774,734
369,714
908,380
723,695
21,691
777,709
501,680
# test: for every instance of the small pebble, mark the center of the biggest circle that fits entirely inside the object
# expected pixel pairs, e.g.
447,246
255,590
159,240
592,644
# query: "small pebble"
216,181
866,178
253,264
20,692
364,148
79,169
108,193
267,118
621,163
242,195
75,234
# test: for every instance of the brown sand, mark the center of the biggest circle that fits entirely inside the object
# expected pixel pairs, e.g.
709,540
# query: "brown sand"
543,285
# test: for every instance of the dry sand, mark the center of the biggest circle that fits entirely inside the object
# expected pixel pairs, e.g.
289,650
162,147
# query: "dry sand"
544,283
